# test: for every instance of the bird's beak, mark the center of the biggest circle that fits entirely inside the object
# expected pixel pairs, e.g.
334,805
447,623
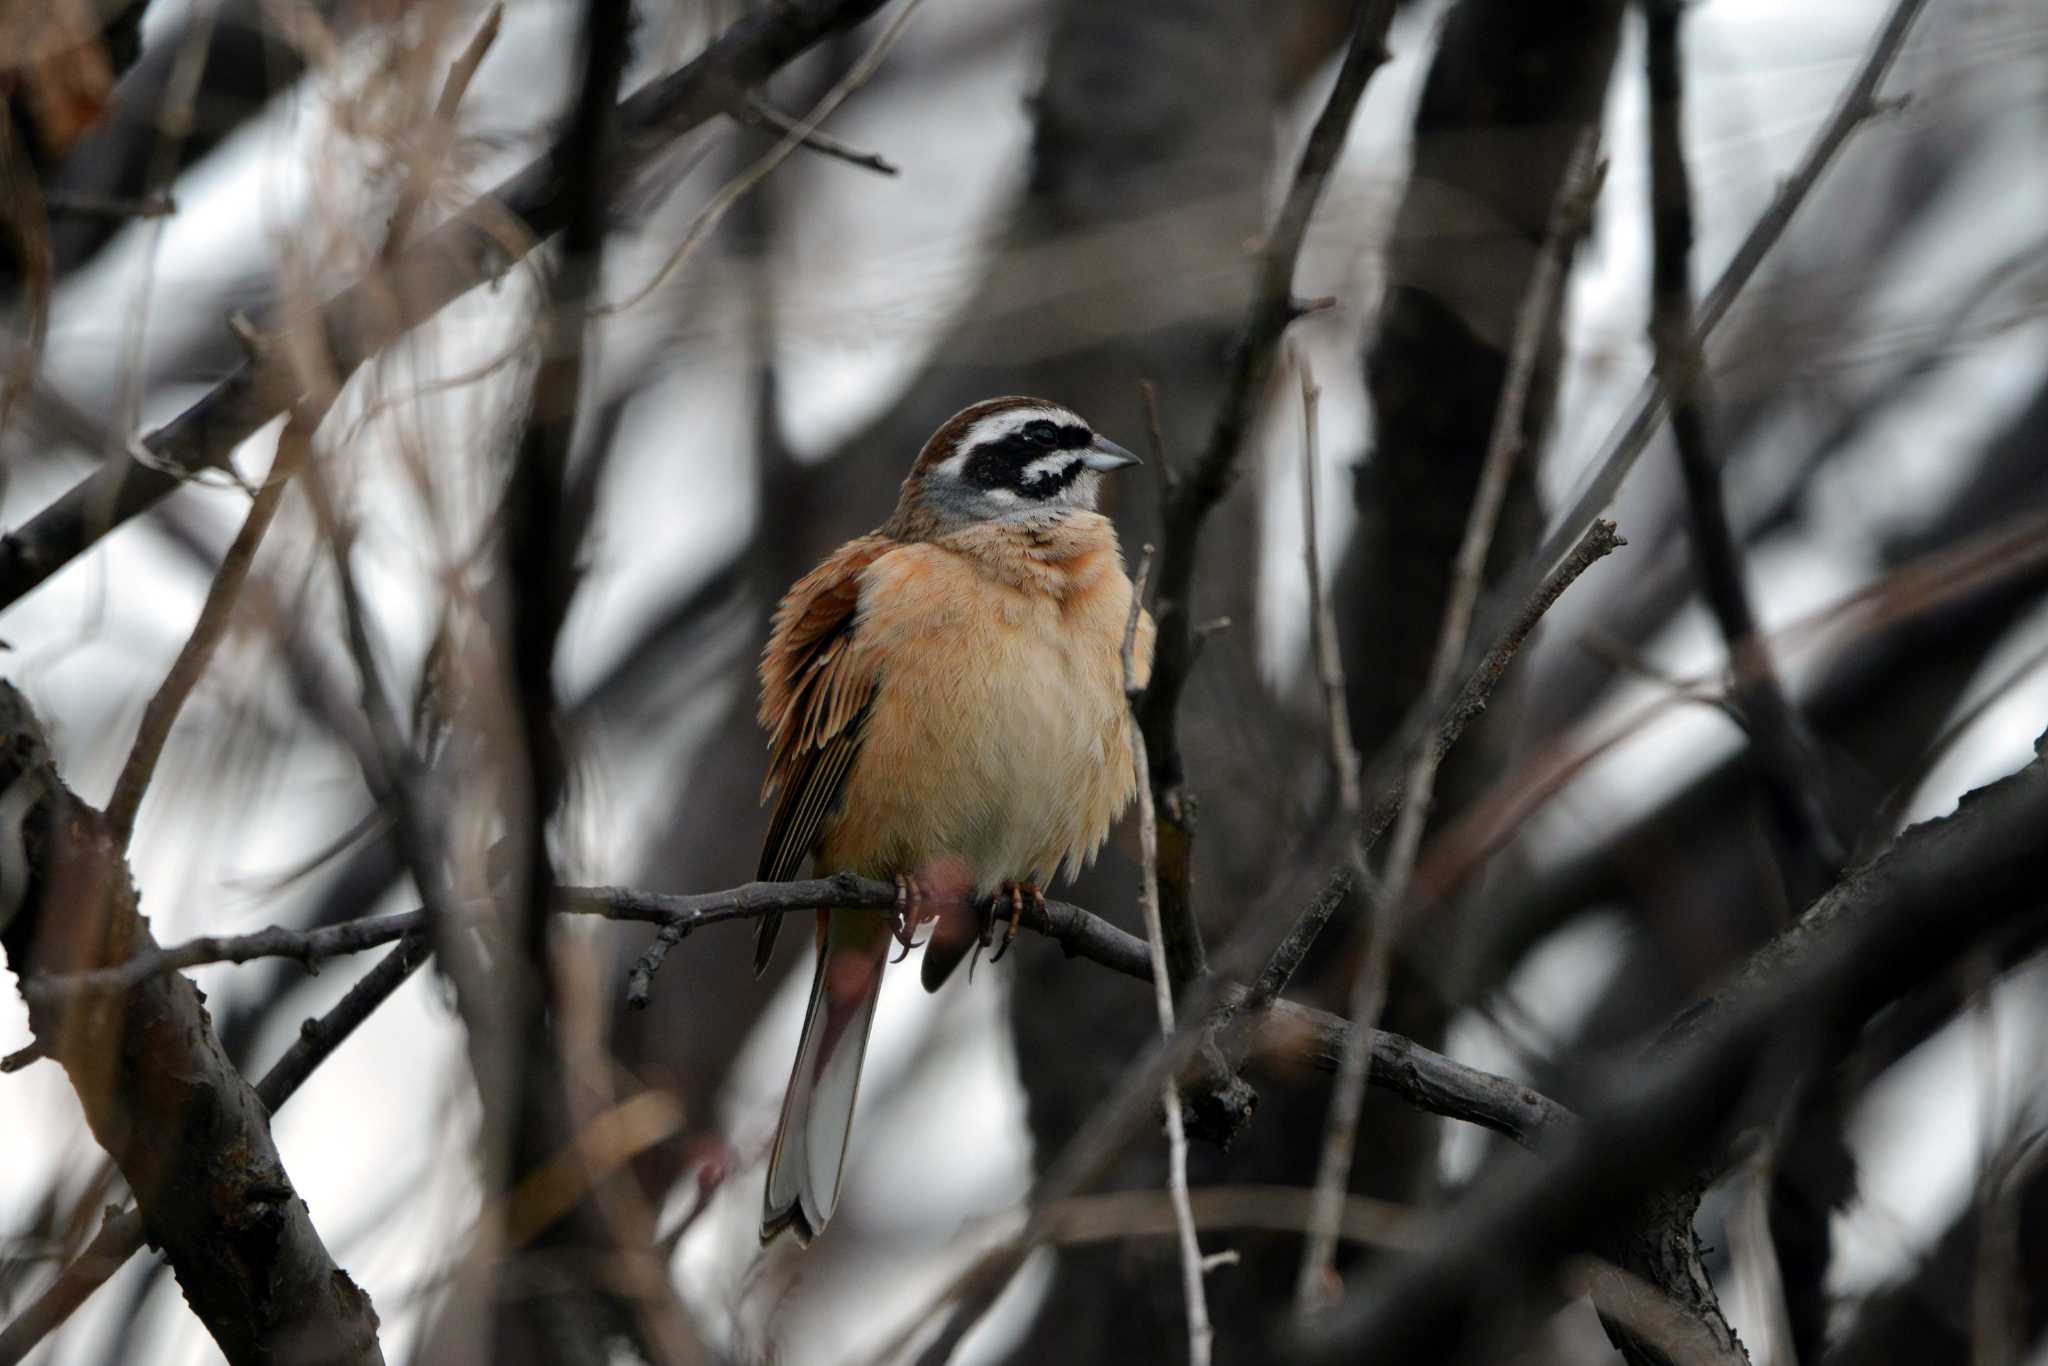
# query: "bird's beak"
1104,455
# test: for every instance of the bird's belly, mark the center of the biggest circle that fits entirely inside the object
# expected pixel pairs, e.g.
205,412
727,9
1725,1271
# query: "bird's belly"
1002,745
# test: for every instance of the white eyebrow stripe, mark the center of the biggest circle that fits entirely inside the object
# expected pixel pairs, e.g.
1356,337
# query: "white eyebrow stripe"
998,425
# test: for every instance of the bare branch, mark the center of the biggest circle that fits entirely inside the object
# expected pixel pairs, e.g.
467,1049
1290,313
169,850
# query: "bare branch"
1192,497
758,113
1858,103
1571,213
218,1200
441,267
1200,1335
121,1236
794,136
162,712
1887,927
1790,758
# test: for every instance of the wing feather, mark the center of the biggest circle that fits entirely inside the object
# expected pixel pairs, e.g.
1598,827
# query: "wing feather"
817,683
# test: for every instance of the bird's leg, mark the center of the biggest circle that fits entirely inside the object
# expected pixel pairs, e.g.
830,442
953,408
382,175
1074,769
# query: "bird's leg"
1018,891
911,911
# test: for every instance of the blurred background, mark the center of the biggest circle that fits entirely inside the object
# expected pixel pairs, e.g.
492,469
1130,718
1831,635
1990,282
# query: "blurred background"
1077,194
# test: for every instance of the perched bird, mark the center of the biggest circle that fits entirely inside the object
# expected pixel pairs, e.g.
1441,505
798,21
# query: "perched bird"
945,704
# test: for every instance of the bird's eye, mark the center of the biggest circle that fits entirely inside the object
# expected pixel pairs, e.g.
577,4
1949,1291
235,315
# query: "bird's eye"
1041,433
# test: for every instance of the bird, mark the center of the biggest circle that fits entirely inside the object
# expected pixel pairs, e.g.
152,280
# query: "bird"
945,705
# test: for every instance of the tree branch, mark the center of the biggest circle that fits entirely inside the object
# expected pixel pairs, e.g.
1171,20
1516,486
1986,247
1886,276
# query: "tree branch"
1201,1337
1294,1033
1884,929
191,1137
121,1236
447,263
1190,499
1790,759
1858,103
1570,215
162,712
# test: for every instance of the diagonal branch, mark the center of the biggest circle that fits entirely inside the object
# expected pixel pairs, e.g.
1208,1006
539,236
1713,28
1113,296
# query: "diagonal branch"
1886,928
1791,760
217,1200
122,1234
1191,498
162,712
441,267
1858,103
1570,215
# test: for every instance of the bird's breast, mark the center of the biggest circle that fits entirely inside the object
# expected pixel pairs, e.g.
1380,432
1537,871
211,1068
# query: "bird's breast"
997,733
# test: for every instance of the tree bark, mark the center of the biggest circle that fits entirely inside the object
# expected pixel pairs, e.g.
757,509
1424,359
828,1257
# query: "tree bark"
187,1131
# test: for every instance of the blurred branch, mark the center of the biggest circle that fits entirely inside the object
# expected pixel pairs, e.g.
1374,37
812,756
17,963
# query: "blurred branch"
1857,103
542,530
1201,1337
794,136
1599,541
1790,758
24,220
1191,497
440,132
1811,851
188,1133
758,113
1884,929
1329,660
441,267
1569,217
162,712
104,206
121,1236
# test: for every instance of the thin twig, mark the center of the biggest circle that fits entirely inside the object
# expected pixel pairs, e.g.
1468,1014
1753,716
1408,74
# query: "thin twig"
1601,540
441,266
1317,1283
1329,661
1200,1335
1116,1215
758,113
713,213
440,133
83,203
1191,497
162,712
1858,103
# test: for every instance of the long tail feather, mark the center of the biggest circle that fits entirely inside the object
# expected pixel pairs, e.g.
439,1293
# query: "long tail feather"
817,1112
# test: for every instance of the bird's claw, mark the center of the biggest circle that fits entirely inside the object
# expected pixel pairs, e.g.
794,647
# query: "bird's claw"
911,911
1018,891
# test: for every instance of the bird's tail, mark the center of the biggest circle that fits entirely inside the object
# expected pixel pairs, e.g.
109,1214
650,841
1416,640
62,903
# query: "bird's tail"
817,1113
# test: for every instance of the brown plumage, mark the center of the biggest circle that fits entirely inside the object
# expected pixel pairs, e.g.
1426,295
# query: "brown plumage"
944,701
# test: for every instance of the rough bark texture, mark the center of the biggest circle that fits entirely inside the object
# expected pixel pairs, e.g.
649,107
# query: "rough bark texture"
188,1133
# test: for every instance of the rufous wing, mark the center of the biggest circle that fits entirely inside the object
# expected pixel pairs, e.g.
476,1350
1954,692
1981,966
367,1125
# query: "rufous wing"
817,681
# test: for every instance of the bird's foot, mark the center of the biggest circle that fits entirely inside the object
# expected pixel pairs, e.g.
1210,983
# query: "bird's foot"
1017,891
913,908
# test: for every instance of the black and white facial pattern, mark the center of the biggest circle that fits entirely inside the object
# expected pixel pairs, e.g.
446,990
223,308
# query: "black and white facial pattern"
1016,464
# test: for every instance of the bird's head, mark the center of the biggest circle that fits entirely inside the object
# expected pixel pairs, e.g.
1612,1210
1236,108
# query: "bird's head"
1007,459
